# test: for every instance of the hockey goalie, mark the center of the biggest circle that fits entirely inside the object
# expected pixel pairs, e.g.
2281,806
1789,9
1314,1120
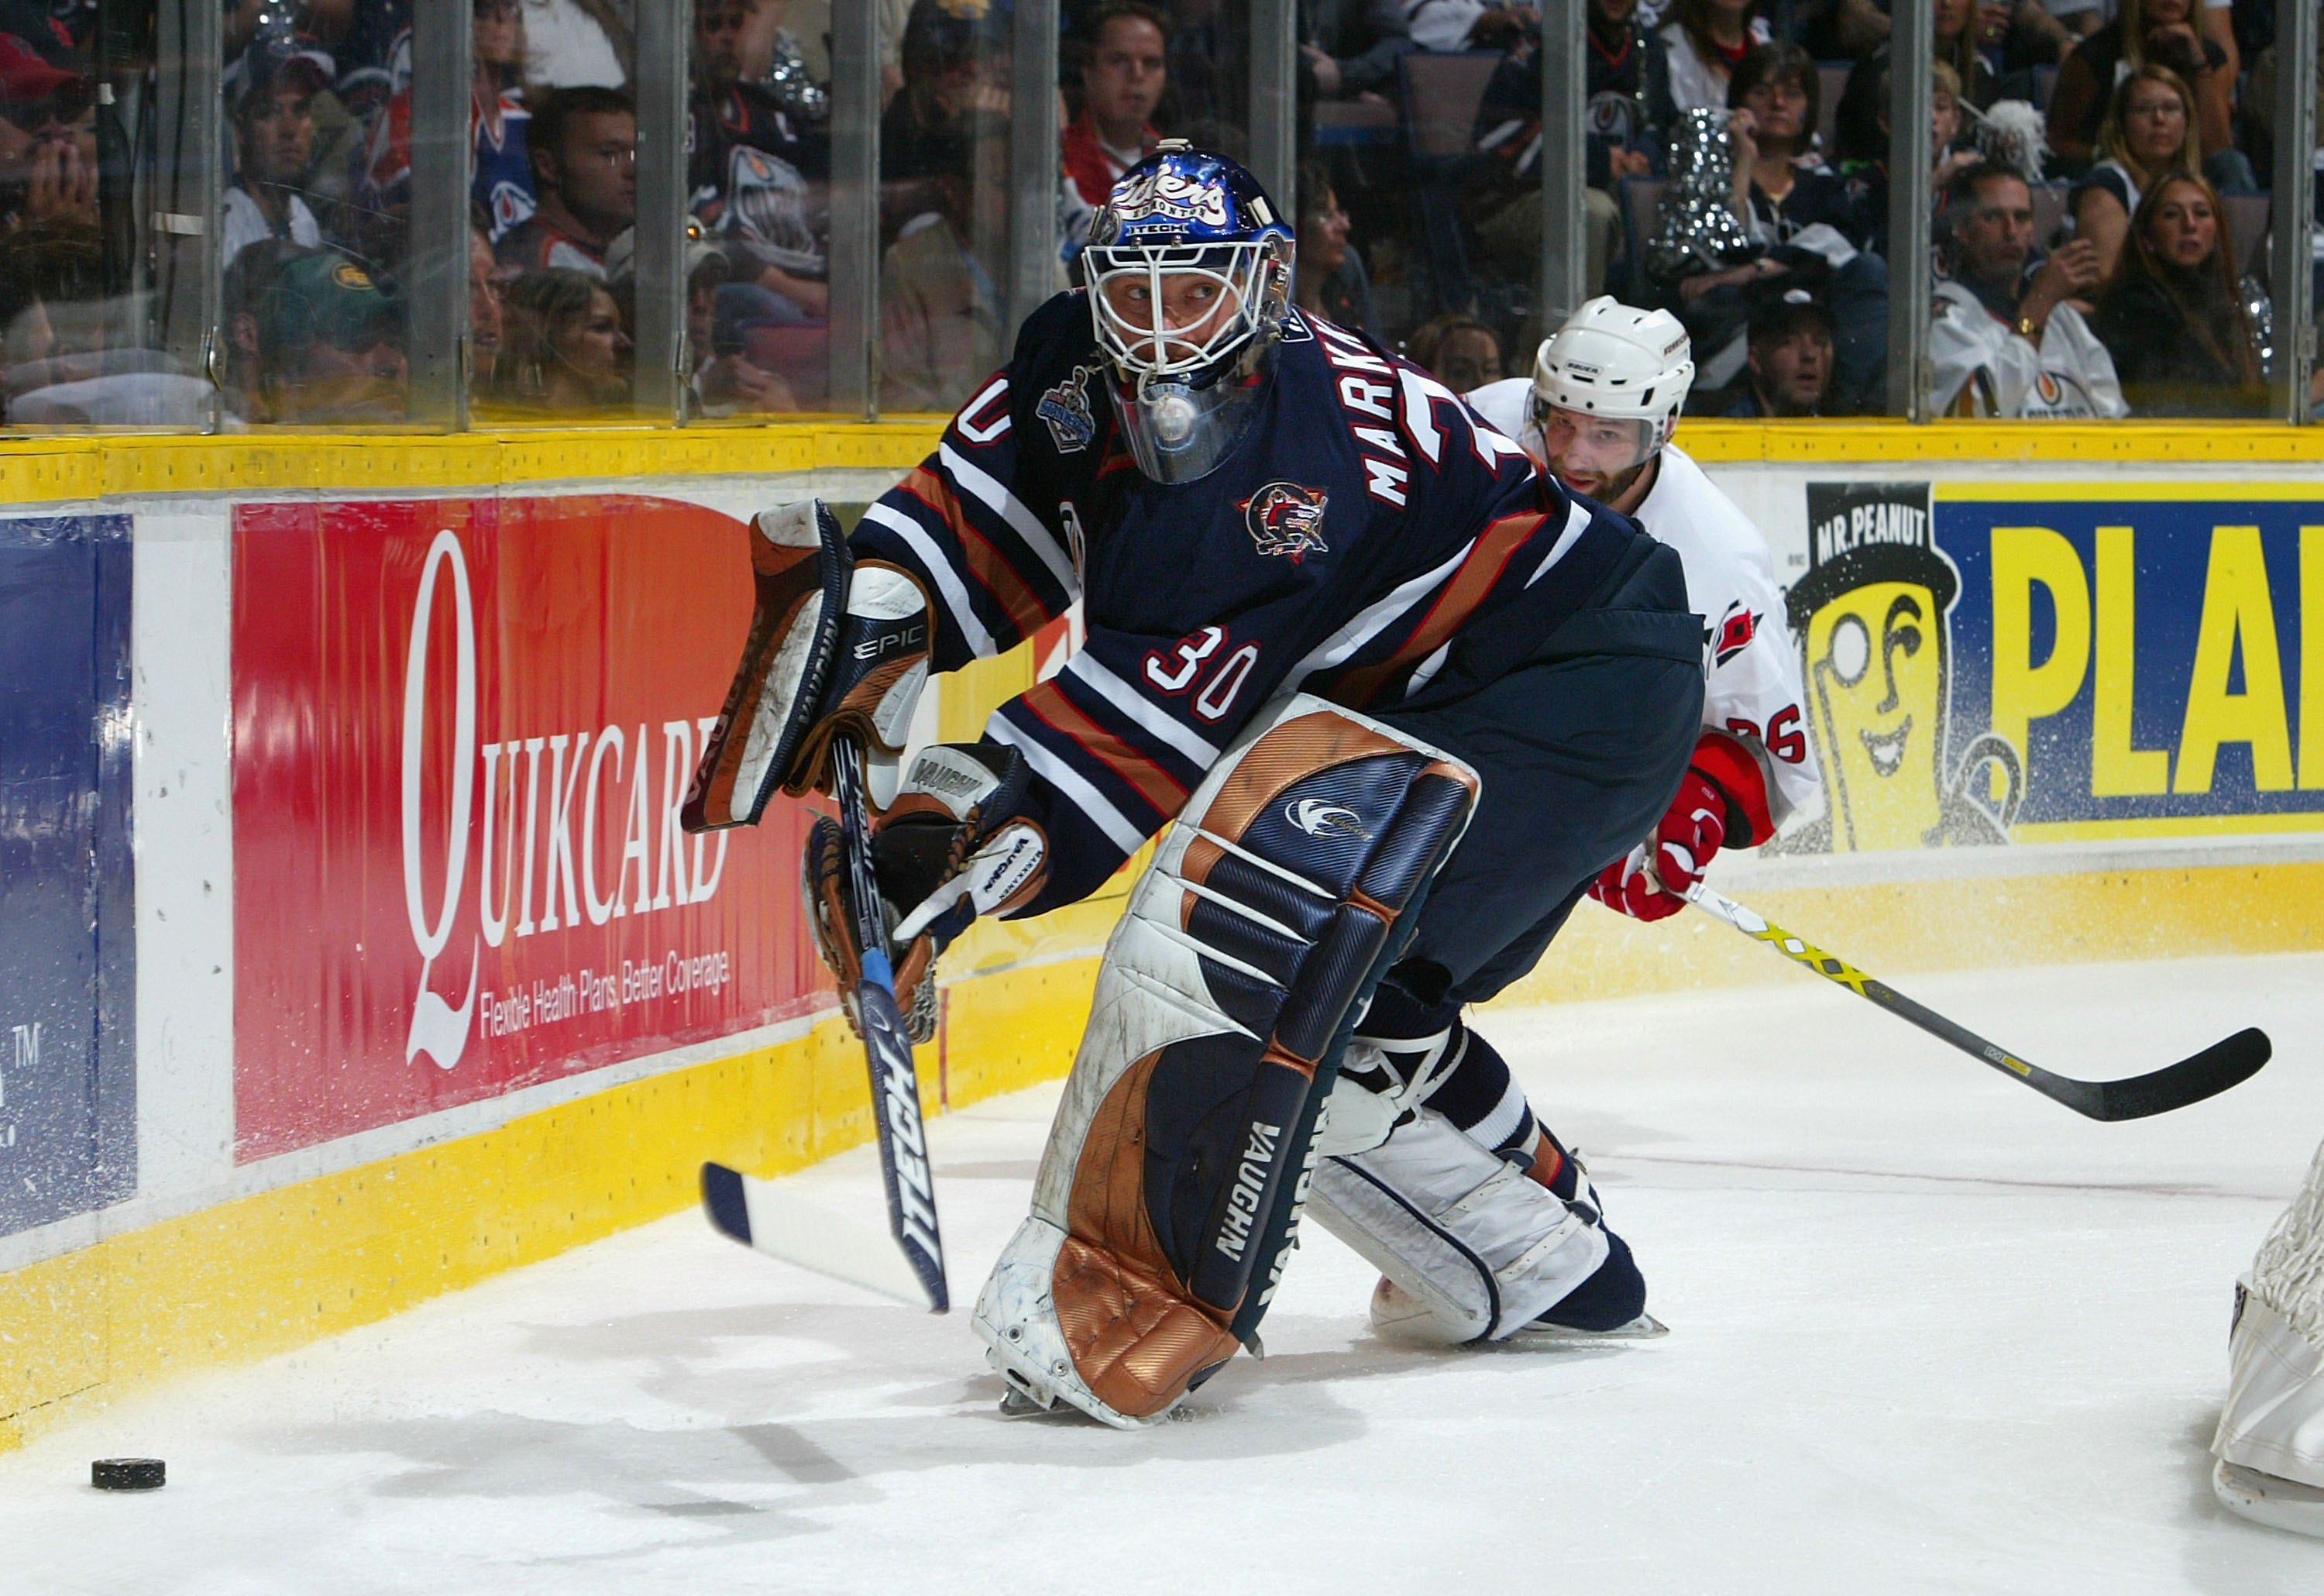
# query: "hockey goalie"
1392,701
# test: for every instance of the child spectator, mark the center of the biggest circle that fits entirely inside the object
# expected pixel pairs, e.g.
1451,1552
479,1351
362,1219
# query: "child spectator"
1860,125
270,96
2006,340
583,143
1868,181
2174,318
2149,131
1122,80
563,350
1707,40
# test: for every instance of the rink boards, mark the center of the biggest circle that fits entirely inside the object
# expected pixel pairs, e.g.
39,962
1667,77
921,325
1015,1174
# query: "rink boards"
355,953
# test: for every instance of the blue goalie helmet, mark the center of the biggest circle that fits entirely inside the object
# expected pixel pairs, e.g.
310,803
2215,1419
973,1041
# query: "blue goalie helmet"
1189,271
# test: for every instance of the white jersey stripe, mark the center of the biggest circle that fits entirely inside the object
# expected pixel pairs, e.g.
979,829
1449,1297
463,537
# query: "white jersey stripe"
1069,782
1577,521
1022,521
1371,620
1085,668
940,571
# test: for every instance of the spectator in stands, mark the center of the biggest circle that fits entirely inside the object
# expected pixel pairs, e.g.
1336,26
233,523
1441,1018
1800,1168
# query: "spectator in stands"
486,324
745,373
1348,48
1948,157
563,350
576,44
2149,132
1628,114
1461,352
1123,79
2007,339
329,344
269,98
1706,40
1788,370
501,177
940,305
2174,318
48,138
755,169
1859,127
583,143
1328,278
1807,222
1840,30
2161,32
62,367
956,65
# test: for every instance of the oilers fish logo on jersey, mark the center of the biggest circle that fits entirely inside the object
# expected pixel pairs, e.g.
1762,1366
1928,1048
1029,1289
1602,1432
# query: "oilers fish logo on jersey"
1066,409
1286,519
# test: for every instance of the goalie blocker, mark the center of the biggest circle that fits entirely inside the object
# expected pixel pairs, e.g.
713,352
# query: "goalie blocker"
1175,1172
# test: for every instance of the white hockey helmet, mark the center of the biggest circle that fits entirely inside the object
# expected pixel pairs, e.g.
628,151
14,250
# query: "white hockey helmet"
1618,363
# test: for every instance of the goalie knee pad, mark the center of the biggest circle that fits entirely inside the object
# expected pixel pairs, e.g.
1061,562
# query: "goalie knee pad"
1467,1233
1175,1173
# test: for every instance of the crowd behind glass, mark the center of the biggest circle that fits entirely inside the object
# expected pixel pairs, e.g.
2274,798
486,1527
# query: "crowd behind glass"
2101,170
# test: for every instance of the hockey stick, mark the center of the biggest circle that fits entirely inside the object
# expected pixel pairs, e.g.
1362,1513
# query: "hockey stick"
734,1200
2206,1073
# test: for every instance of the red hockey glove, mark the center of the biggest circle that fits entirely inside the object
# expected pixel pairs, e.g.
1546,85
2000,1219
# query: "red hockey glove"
1690,834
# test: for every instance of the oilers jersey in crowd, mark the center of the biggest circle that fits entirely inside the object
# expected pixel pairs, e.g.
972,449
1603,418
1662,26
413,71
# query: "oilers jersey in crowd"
1368,539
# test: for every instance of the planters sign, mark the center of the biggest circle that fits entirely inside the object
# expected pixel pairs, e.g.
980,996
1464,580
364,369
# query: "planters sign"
2043,664
461,734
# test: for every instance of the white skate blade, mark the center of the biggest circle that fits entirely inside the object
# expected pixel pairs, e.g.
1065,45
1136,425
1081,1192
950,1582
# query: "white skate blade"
1645,1327
2265,1499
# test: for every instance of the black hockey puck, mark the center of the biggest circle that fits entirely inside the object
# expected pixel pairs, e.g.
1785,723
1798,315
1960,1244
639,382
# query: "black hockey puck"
128,1473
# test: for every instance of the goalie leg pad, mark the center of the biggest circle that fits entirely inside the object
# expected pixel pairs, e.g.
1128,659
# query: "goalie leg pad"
1464,1232
1177,1168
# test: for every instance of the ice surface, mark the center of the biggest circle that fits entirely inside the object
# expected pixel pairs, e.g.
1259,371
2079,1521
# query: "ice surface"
1931,1333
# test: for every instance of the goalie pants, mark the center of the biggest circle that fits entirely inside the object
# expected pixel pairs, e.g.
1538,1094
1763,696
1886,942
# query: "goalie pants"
1582,749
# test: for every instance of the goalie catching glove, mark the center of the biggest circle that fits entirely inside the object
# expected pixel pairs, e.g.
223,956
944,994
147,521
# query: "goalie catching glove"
834,647
950,847
1651,881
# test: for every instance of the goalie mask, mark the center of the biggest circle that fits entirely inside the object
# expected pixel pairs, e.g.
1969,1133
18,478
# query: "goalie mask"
1190,277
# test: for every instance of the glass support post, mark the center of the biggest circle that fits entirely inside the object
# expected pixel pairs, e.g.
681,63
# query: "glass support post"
1912,113
443,73
2292,266
1564,169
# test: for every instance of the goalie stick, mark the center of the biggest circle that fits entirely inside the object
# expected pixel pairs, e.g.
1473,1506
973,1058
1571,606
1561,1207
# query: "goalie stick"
2206,1073
752,1211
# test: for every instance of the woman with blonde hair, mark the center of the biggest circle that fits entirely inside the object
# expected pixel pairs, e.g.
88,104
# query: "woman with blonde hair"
2159,33
2149,132
2174,319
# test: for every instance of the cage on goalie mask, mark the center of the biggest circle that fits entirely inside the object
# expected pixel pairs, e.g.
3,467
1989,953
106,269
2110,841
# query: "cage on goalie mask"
1190,278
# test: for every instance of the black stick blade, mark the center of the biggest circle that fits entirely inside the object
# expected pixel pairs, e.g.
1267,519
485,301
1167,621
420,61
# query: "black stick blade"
2207,1074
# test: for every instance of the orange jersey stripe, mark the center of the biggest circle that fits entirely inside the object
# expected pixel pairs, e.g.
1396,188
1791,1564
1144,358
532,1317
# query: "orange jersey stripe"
1152,782
1495,546
985,562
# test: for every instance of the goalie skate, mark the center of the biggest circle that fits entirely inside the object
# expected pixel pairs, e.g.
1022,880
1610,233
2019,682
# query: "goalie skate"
1398,1316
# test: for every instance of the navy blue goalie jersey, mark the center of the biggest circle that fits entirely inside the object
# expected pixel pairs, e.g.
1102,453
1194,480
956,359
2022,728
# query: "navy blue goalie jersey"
1368,539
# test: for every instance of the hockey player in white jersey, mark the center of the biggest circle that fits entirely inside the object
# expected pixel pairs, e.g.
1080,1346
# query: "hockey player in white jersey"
1598,412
